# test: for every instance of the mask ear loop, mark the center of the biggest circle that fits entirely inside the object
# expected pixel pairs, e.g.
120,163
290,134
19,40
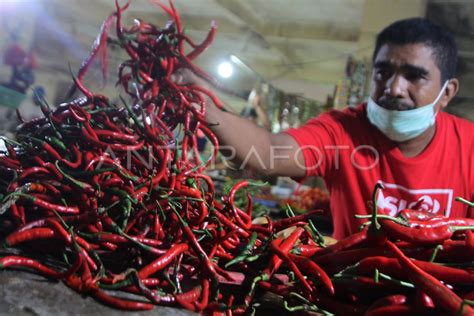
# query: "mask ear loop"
440,94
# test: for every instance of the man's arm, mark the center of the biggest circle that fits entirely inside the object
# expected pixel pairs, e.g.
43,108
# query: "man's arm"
246,144
250,146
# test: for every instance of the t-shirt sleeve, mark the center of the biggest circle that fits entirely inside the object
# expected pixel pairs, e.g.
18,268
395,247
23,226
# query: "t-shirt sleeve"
318,140
469,155
470,209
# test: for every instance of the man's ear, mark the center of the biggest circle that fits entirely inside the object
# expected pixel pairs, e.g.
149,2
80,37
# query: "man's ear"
450,92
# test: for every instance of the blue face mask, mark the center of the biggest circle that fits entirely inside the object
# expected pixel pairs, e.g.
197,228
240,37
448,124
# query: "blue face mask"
400,126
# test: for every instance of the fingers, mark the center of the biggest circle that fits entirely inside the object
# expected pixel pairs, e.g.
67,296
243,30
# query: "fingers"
184,76
178,77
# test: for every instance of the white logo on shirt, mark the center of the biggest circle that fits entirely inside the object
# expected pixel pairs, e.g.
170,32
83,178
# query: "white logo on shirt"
395,198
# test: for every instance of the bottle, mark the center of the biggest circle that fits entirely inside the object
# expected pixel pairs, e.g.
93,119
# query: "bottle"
295,117
285,124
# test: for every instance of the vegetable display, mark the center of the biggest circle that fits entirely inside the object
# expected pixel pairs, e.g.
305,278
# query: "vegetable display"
307,200
113,198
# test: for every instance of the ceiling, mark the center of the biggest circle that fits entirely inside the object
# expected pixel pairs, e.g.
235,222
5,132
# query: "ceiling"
299,46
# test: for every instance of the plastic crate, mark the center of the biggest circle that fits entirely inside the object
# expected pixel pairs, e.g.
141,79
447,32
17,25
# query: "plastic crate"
10,98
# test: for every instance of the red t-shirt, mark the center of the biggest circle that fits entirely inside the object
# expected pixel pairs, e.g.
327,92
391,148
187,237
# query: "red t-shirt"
352,156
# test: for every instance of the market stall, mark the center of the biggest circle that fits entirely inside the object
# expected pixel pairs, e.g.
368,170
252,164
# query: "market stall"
112,205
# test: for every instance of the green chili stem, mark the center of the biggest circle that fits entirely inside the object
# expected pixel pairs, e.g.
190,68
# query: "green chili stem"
460,199
435,252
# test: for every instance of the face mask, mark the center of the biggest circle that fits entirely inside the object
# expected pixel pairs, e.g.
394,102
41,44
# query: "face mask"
400,126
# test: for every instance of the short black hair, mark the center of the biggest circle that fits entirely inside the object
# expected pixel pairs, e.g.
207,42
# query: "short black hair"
421,30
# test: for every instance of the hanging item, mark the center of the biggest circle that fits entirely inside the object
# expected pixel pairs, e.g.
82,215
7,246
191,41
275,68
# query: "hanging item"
14,56
21,61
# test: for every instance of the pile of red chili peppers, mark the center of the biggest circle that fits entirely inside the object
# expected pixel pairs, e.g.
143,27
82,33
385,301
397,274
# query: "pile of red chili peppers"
117,198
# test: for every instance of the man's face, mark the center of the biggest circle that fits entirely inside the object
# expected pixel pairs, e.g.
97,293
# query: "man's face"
405,77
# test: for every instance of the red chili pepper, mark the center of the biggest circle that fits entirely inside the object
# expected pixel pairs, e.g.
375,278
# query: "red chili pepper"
54,170
354,240
308,250
22,262
17,216
185,191
415,214
116,136
348,257
285,247
49,206
285,223
165,8
163,261
207,264
441,221
452,251
442,295
391,300
285,257
118,147
79,85
59,231
73,269
9,163
392,267
423,301
205,44
28,235
224,220
279,289
395,310
204,296
311,268
99,47
418,235
188,299
32,171
11,151
213,98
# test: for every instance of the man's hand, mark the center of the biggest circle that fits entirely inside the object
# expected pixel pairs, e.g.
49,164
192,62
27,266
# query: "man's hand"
251,146
184,76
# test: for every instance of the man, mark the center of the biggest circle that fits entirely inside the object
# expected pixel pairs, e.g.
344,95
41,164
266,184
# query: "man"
400,137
